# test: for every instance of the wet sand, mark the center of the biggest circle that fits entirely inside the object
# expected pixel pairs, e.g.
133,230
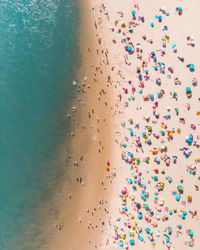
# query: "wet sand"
82,198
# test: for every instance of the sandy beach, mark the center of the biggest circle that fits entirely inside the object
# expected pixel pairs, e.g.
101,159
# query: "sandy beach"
154,203
135,144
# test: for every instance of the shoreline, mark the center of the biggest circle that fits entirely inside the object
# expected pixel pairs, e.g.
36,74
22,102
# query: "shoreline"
83,188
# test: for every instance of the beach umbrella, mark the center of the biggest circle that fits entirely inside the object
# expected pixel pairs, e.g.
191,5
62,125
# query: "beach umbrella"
125,158
170,180
123,236
123,40
133,13
152,97
129,48
152,213
152,24
148,142
155,178
123,25
161,185
141,238
191,233
149,128
174,94
178,197
121,244
130,181
139,216
146,159
185,212
132,197
167,239
144,134
144,198
188,89
180,188
191,66
194,82
131,131
131,242
116,237
148,230
169,229
167,161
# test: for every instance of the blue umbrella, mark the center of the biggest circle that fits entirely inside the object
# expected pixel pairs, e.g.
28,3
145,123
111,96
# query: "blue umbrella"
192,66
152,97
183,217
188,89
147,230
121,244
151,213
191,233
133,13
144,134
129,48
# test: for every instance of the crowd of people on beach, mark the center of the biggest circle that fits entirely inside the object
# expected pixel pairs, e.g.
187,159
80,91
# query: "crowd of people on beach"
151,144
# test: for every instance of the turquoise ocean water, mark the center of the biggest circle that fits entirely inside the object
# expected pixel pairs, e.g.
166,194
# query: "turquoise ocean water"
38,61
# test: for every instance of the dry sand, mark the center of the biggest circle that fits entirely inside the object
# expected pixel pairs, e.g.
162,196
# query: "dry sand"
179,27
